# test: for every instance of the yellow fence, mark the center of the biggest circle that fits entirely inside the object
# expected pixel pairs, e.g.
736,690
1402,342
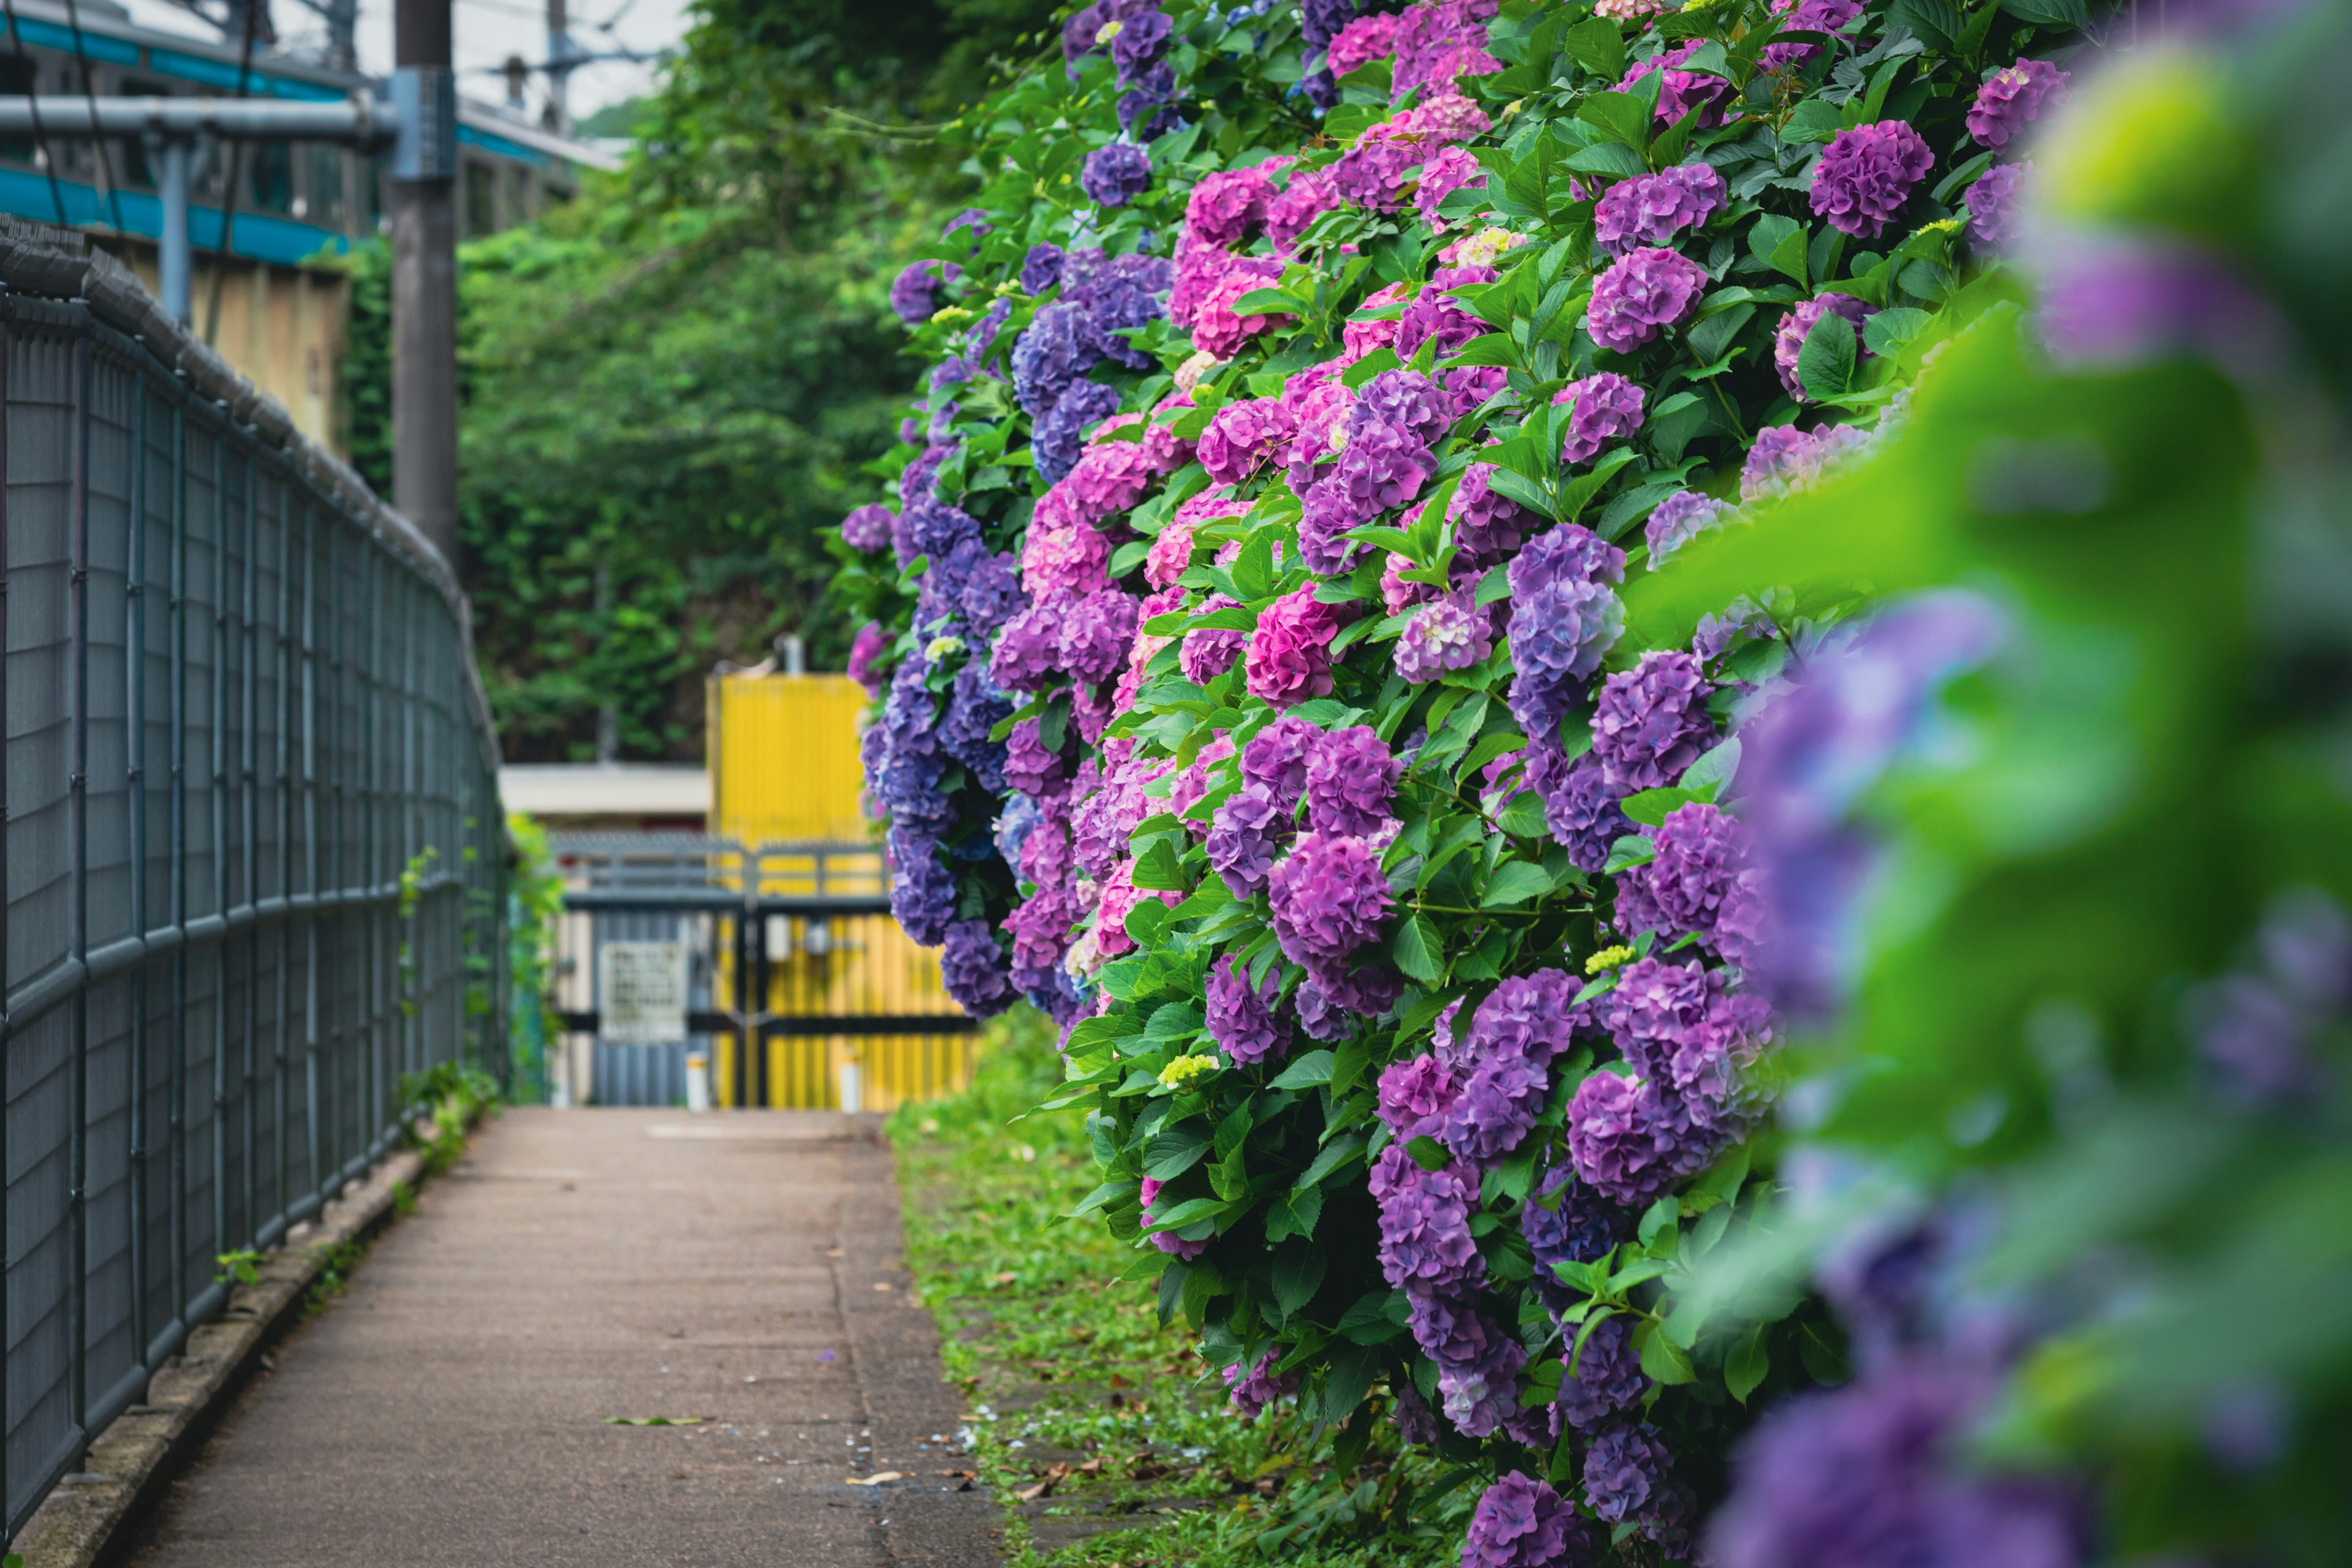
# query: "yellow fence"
786,774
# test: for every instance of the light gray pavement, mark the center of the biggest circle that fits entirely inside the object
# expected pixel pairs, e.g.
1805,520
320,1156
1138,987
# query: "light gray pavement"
449,1412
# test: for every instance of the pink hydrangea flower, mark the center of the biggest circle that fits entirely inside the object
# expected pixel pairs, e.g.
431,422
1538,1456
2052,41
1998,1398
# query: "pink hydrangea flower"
1307,197
1449,171
2013,97
1682,91
1225,206
1360,338
1221,330
1244,436
1289,657
1075,559
1361,42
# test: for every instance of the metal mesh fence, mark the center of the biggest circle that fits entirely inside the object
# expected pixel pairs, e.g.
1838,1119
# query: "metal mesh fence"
237,705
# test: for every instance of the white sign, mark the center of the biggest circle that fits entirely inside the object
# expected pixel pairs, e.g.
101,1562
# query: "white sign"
641,993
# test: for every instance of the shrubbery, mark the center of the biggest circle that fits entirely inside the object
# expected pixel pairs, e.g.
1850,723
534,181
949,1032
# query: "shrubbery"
1284,690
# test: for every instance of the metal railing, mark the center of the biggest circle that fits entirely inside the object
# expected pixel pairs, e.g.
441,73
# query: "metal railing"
253,854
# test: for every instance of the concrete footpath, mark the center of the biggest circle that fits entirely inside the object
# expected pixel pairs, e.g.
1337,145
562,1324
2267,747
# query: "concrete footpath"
450,1410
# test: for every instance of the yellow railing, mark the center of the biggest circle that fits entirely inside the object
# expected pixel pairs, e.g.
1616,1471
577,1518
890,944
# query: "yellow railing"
786,774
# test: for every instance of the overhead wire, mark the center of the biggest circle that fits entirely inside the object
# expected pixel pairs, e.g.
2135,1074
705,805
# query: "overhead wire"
41,138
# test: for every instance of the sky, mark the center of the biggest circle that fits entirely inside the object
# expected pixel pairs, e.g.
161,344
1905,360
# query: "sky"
488,32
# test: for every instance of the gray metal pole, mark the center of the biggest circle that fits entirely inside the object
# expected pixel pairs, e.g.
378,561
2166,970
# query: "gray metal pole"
174,263
425,273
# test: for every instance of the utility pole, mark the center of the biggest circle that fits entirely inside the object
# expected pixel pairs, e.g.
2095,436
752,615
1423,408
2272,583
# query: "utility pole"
559,49
425,273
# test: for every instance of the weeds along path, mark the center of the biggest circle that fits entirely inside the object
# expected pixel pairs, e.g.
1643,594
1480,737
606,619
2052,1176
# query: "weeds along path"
459,1405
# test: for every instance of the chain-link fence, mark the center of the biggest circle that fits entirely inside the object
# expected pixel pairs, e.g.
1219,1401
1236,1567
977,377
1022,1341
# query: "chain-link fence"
254,857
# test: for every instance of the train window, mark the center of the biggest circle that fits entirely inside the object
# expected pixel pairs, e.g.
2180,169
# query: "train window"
273,175
327,205
18,78
481,217
136,170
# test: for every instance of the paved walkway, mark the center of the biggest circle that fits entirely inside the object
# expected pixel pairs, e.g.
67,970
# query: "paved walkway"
449,1410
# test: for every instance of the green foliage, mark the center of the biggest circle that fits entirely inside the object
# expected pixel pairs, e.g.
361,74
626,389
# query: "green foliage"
240,1267
535,902
337,1262
672,386
1041,1327
444,1101
363,375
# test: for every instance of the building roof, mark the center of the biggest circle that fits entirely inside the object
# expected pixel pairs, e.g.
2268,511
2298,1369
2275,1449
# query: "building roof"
605,789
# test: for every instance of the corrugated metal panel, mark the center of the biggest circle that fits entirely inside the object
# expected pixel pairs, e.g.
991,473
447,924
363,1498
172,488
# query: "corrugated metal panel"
783,759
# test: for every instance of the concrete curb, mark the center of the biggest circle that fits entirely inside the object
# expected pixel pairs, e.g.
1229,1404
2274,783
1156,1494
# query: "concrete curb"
86,1517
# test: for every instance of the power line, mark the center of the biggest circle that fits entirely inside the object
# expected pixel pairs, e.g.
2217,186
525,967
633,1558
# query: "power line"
48,159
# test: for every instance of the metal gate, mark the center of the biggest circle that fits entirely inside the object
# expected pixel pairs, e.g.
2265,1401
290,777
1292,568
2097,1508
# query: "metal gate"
792,949
253,854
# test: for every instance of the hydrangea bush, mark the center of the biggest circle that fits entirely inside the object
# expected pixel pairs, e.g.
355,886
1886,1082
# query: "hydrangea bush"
1259,696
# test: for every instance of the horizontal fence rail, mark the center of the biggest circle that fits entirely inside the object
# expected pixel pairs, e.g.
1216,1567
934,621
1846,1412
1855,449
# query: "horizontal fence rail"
253,856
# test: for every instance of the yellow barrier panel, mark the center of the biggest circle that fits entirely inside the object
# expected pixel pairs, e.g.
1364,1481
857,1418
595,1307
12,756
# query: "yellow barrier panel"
785,771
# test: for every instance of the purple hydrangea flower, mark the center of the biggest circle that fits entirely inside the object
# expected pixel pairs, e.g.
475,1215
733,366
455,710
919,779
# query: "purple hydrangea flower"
1405,399
1789,337
1096,634
1992,205
1041,269
1448,634
866,651
1052,351
1277,756
868,528
1416,1423
1351,779
1607,406
1653,209
1580,808
1866,1475
1784,458
1116,174
1260,1386
1528,1017
1523,1523
1209,654
974,968
1567,1222
1246,833
1559,632
1028,651
1812,17
991,595
1631,1143
1866,175
922,889
934,527
1244,436
1242,1019
1641,296
2013,99
1700,883
1487,524
1606,1376
1479,1392
975,706
1139,46
1414,1095
1168,1241
1425,1222
915,294
1330,898
1679,519
1058,439
1681,1027
1652,722
1628,1474
1681,91
1497,1106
